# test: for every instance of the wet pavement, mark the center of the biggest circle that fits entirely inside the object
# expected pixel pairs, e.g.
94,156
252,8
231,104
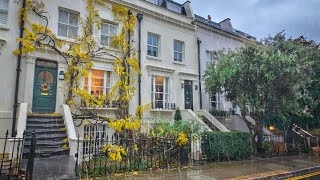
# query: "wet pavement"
231,169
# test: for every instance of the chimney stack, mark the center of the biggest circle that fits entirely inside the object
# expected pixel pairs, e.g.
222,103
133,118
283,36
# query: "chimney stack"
209,18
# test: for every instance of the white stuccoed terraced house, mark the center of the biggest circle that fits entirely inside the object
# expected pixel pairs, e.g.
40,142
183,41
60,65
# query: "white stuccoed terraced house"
172,63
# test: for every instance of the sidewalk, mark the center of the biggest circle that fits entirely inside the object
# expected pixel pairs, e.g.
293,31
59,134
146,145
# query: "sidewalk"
232,169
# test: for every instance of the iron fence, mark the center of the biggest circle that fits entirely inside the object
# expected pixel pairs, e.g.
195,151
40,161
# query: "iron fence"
142,153
13,163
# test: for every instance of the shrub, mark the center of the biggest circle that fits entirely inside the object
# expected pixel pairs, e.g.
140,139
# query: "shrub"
177,115
220,146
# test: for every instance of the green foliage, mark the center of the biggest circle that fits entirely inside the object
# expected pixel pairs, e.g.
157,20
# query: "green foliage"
215,112
177,115
168,129
220,146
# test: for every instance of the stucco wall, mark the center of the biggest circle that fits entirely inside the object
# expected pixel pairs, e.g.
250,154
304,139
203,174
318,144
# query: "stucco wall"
212,40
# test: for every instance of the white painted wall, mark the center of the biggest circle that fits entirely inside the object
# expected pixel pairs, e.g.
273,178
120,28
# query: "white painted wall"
213,40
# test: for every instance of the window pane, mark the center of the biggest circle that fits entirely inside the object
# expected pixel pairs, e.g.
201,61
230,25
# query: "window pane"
73,31
73,19
63,17
104,40
155,40
3,16
105,29
113,30
149,39
62,30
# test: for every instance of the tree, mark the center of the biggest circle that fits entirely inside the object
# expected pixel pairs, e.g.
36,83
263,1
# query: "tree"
79,57
263,78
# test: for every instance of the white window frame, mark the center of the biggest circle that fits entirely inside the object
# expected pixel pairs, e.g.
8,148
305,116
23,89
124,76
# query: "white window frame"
217,101
152,45
5,11
178,52
211,57
166,94
105,79
108,36
99,133
68,25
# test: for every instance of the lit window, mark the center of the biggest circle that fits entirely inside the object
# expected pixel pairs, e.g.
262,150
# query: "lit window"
98,82
153,45
94,133
4,7
160,91
178,53
68,24
107,33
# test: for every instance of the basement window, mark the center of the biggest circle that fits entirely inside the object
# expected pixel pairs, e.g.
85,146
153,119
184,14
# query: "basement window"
93,137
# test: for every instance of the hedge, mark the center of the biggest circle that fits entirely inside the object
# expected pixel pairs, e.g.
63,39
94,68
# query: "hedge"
221,146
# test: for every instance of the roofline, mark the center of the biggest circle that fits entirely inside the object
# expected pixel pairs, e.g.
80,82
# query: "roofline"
225,20
229,34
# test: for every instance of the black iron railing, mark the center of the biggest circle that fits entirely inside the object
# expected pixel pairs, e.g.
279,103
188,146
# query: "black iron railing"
105,104
166,106
13,163
143,153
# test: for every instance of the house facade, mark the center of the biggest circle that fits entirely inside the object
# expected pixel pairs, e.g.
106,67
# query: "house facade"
167,37
168,59
213,37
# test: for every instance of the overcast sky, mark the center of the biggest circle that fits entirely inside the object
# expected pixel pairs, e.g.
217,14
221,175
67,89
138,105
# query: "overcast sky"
263,17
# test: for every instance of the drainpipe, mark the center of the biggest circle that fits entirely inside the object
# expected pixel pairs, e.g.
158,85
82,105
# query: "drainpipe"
15,106
199,70
139,17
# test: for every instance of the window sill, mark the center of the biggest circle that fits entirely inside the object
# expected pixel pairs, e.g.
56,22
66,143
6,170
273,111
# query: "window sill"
153,58
4,27
162,110
110,48
179,63
66,39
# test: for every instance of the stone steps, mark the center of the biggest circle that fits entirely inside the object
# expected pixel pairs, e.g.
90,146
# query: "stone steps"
51,136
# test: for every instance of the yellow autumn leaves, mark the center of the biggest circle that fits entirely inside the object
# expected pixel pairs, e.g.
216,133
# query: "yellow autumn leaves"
182,139
128,124
116,153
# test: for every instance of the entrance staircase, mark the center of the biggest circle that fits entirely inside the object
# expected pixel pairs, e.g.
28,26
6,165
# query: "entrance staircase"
52,160
211,121
51,136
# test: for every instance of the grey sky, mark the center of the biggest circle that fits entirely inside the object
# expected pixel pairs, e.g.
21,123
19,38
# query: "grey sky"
263,17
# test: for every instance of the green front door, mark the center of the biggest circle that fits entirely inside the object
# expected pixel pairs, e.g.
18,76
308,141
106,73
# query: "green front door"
188,95
45,87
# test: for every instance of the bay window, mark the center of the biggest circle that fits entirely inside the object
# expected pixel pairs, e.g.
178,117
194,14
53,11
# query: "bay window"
160,91
98,82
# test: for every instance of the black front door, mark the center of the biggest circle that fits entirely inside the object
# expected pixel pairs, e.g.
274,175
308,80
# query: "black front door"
45,87
188,95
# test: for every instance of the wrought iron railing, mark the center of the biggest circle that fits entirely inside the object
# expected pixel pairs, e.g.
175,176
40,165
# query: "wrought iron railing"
105,104
143,153
165,106
13,165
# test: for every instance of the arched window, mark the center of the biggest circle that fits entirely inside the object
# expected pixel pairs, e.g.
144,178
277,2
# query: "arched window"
45,77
